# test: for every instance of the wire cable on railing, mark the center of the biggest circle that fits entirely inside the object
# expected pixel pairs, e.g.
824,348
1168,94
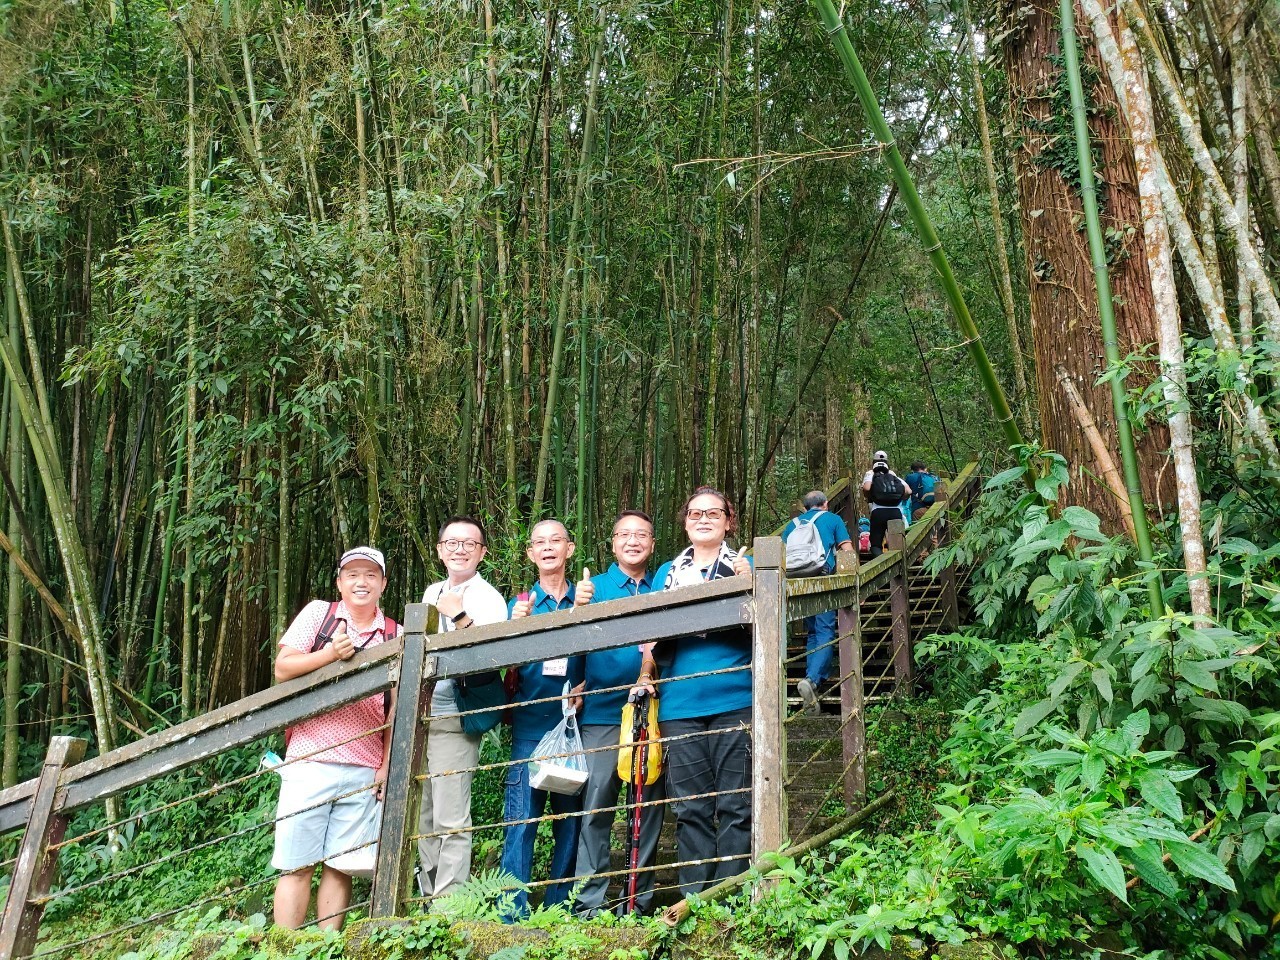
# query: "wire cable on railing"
351,908
139,868
665,801
210,791
534,884
162,915
557,698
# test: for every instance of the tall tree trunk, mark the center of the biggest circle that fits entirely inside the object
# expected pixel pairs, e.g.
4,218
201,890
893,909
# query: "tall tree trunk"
1127,78
1063,298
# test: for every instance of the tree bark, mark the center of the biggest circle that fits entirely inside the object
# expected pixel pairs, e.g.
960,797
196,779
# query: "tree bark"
1064,311
1127,78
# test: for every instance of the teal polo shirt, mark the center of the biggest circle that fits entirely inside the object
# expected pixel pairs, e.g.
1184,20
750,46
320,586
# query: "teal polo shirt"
531,722
621,665
831,529
705,696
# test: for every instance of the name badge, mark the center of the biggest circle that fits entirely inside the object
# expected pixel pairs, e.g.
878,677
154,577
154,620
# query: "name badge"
556,668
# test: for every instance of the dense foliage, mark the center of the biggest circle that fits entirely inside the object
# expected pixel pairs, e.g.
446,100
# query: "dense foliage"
1114,774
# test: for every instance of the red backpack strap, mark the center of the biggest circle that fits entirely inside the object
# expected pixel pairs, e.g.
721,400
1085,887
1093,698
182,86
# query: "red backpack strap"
327,623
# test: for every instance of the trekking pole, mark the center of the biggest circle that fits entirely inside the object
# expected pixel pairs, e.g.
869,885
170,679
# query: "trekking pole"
639,750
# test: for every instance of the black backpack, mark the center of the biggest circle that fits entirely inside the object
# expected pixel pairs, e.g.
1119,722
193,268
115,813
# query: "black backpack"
886,489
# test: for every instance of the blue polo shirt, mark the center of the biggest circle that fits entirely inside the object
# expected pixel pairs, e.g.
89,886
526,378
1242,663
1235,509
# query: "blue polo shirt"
831,529
705,696
531,722
621,665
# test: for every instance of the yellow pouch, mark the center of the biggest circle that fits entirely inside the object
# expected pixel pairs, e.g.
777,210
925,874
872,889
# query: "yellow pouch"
627,762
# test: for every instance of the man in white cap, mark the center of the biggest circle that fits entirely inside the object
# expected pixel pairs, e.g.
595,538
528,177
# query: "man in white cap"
886,491
336,763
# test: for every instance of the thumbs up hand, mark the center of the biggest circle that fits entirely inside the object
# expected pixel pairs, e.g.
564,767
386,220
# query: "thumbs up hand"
585,589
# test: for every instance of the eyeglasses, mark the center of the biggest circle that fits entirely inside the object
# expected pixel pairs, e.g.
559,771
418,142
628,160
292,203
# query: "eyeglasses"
547,542
715,513
469,546
639,536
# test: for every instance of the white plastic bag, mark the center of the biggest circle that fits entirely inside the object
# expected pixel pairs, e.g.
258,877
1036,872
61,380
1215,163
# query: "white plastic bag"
558,764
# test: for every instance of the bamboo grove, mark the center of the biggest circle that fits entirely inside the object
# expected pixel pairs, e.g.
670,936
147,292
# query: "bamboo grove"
283,277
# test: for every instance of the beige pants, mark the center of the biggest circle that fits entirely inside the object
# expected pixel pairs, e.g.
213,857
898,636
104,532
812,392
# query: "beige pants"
446,806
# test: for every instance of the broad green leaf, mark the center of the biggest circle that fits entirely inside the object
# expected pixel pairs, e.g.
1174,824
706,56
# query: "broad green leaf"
1032,715
1251,848
1194,673
1092,770
1102,681
1137,724
1006,477
1053,758
1157,790
1149,866
1064,679
1103,866
1146,689
1193,859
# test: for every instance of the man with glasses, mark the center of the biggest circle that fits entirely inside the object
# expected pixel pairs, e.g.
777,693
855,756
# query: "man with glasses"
614,670
463,598
549,551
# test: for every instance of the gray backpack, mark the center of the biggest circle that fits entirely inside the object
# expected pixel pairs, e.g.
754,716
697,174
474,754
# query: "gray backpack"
806,555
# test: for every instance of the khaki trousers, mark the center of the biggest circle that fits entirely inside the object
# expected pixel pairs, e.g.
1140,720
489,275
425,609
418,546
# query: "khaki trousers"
445,860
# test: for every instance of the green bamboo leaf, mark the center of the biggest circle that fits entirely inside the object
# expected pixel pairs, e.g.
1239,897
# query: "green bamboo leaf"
1103,866
1193,859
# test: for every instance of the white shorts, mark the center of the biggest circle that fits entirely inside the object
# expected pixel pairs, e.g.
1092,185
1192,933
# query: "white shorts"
325,810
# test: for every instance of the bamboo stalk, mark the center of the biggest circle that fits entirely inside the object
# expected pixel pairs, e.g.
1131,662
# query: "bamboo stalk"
920,217
14,610
61,512
1221,198
511,481
1106,311
566,283
997,229
1106,463
1123,64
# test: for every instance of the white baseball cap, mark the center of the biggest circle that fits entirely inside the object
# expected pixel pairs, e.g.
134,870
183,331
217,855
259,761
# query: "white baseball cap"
881,455
371,554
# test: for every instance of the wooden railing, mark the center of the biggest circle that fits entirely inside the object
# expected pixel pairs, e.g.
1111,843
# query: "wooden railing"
767,601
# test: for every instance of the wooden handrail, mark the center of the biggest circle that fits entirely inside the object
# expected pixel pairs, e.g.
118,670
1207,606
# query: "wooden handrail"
653,616
766,600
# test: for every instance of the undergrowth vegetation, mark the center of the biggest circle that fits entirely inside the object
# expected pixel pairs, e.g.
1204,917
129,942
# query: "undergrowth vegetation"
1087,772
1114,774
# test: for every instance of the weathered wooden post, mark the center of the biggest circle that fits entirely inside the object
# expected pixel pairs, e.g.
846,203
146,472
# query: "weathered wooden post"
769,708
393,872
853,730
34,869
899,604
947,576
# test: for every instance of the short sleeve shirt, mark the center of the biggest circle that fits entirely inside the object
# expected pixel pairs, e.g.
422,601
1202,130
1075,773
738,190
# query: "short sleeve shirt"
831,528
534,682
484,604
615,667
344,735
